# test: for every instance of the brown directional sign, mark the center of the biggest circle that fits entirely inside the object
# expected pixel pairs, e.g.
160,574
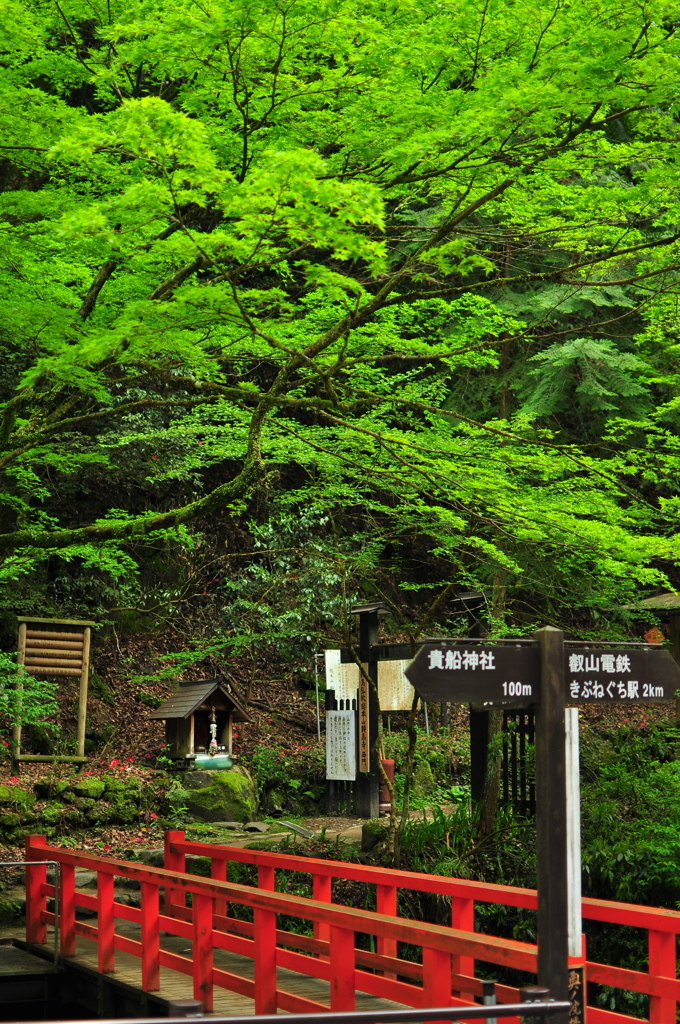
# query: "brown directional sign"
510,675
642,675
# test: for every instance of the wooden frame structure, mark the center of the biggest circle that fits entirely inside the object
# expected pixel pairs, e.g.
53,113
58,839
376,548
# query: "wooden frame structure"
55,648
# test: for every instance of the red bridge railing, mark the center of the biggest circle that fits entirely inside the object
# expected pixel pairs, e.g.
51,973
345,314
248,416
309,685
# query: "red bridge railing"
662,926
329,954
445,975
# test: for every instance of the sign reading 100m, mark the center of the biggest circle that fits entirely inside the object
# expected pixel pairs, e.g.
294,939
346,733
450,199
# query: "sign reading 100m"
511,675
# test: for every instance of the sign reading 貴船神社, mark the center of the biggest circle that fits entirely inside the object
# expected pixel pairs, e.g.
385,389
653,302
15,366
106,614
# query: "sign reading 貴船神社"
511,675
476,675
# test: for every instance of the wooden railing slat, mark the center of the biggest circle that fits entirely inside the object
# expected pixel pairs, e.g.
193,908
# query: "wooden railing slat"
343,986
51,634
151,946
67,907
51,670
105,923
202,952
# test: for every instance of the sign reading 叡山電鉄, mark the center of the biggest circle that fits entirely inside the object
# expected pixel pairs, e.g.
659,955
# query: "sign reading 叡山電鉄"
508,675
645,675
341,757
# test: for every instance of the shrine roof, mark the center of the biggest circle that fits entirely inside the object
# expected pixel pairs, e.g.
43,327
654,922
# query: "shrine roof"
668,601
190,696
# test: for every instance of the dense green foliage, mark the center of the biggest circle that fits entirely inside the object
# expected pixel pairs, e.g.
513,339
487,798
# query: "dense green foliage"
408,267
441,769
31,702
631,815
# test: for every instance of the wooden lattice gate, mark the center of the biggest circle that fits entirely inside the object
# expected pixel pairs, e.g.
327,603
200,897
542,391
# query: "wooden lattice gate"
55,648
519,789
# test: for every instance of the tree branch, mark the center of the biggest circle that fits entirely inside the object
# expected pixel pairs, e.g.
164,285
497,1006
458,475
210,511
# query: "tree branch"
248,478
178,277
100,280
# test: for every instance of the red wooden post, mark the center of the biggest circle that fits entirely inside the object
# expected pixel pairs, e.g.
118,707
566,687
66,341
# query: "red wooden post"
265,878
436,977
173,861
105,923
463,919
342,969
218,871
203,950
151,945
386,903
36,900
265,947
662,961
265,959
67,901
322,892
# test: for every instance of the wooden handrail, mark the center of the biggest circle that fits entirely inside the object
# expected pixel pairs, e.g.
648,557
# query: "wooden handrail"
633,914
449,954
509,952
662,925
514,896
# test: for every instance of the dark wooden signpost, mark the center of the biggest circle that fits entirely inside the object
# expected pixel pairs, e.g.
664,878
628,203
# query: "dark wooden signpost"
549,675
512,675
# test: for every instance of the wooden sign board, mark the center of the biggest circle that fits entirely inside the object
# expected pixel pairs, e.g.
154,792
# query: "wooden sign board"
395,693
394,690
641,676
510,676
549,676
505,675
341,757
55,648
342,677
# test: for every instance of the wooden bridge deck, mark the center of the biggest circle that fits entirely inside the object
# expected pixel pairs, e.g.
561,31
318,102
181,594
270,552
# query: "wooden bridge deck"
174,985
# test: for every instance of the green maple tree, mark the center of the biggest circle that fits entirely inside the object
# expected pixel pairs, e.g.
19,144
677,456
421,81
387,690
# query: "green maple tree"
245,235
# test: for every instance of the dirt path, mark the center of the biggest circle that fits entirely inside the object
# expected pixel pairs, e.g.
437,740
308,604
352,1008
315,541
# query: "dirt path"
331,827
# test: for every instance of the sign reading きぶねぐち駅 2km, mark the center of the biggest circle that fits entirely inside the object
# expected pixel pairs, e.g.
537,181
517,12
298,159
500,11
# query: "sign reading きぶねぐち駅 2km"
645,675
510,675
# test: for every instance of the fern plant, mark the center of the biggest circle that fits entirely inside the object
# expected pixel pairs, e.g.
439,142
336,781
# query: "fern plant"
594,375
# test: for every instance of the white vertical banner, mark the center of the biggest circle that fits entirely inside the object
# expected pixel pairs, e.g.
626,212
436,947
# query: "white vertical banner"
573,831
344,678
341,757
332,666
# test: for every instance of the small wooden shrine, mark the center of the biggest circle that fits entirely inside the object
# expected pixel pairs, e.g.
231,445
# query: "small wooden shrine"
199,717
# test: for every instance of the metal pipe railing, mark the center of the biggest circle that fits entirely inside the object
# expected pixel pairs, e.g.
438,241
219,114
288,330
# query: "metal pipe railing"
541,1008
46,863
